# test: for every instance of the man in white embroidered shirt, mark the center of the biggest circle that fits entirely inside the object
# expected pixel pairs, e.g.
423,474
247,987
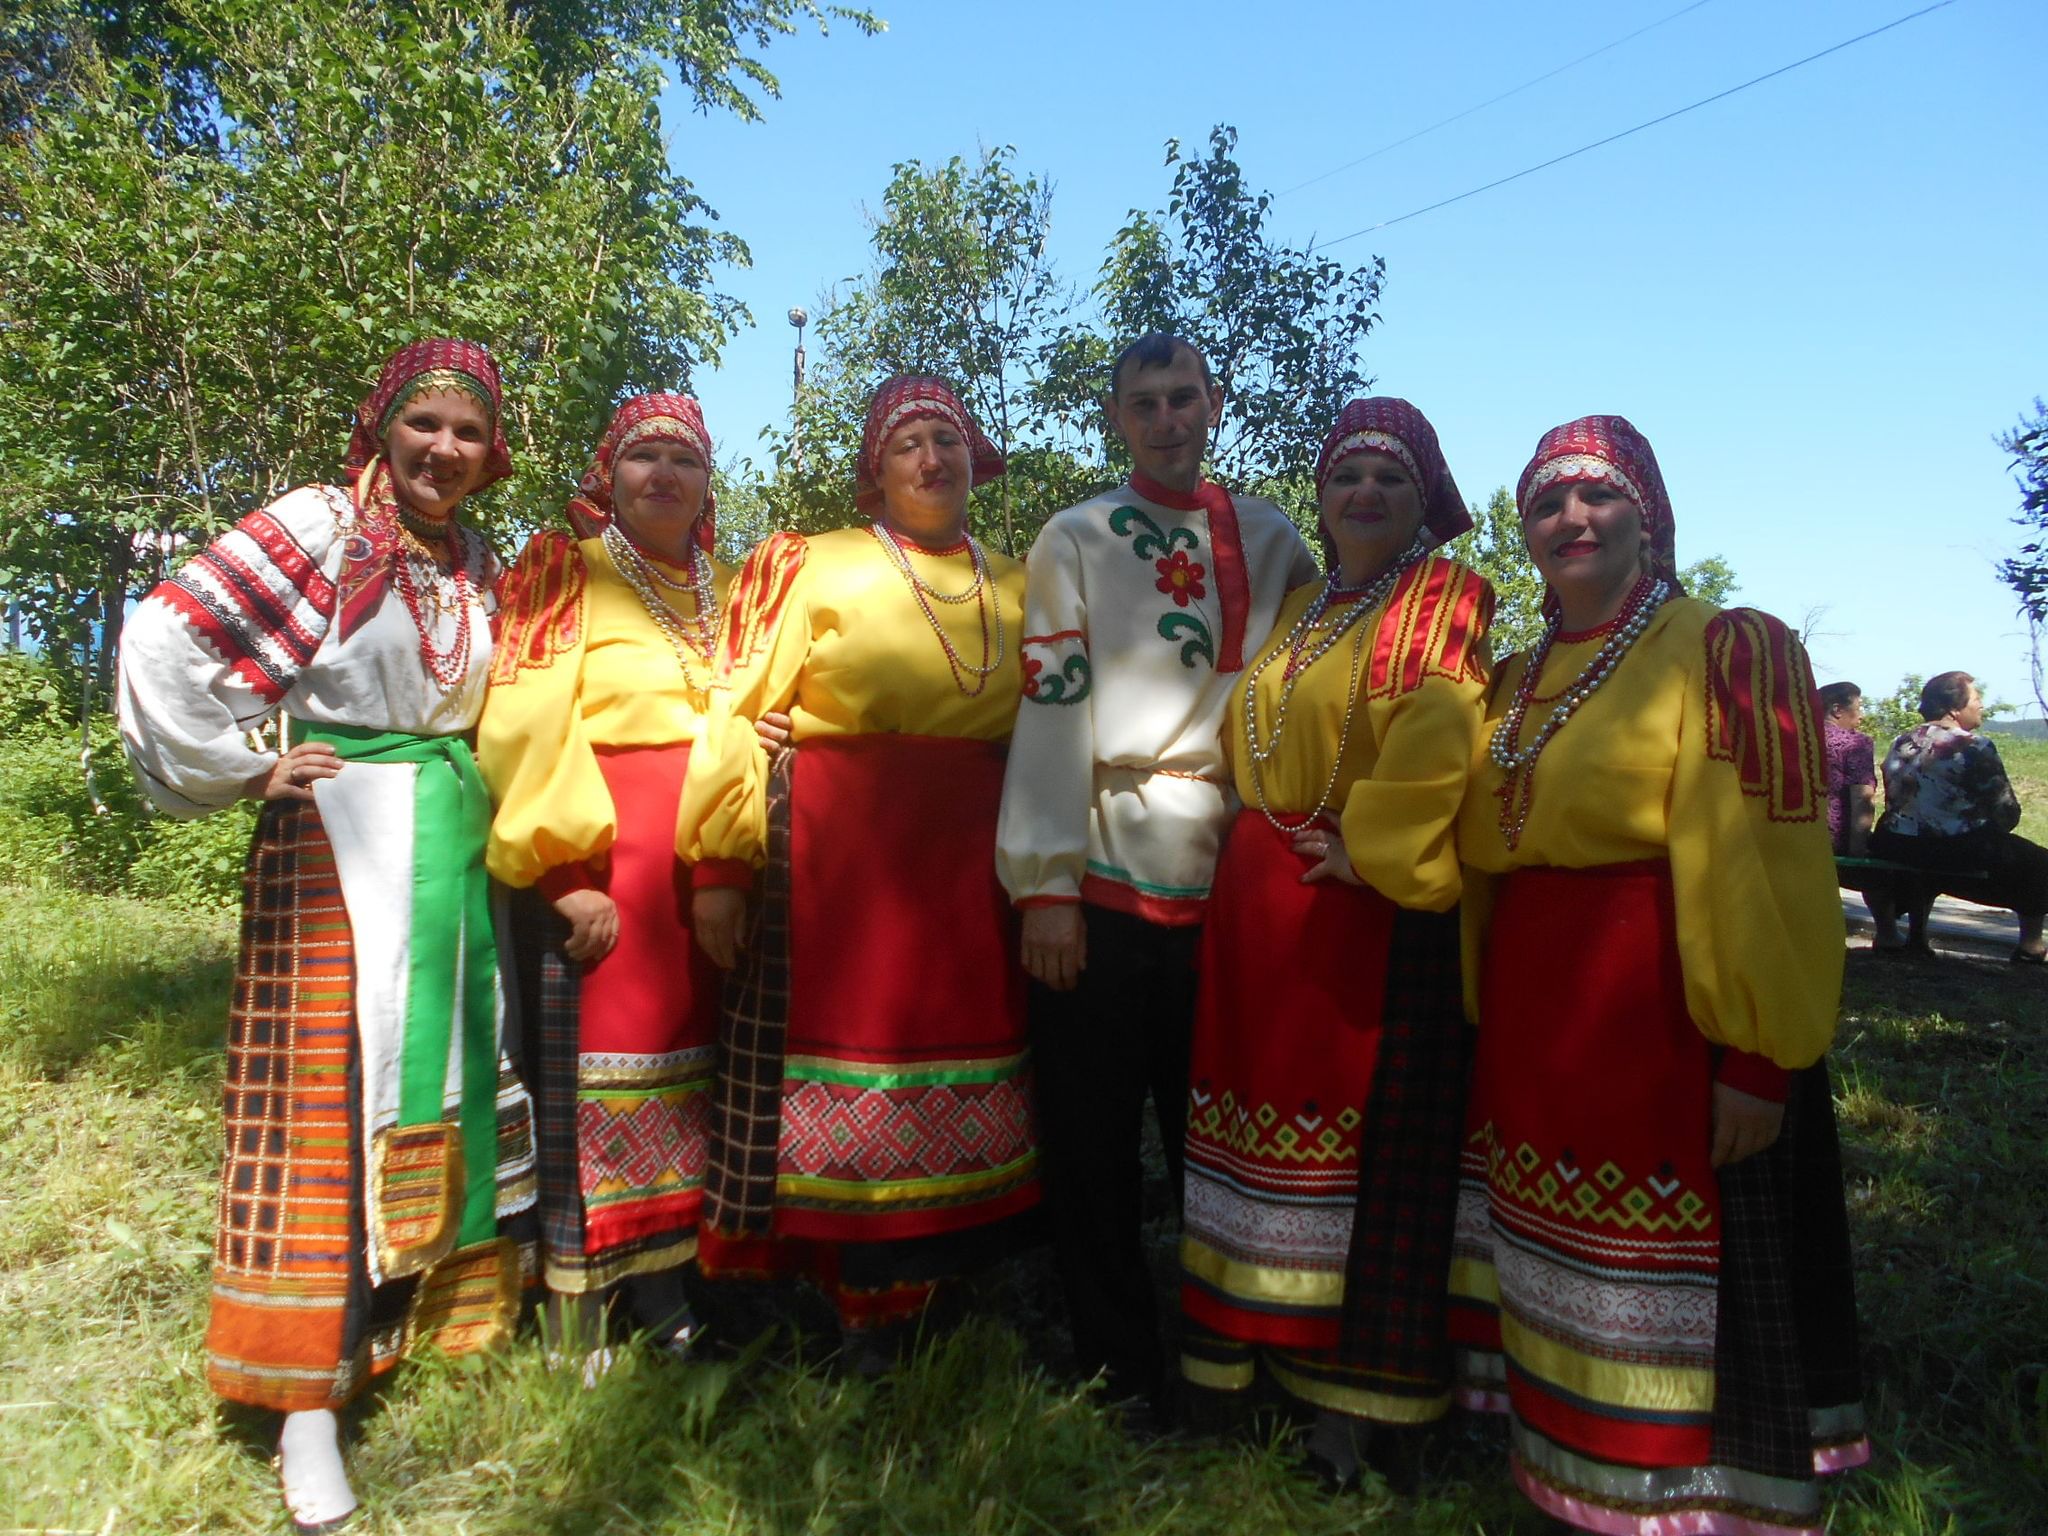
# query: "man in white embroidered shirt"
1142,606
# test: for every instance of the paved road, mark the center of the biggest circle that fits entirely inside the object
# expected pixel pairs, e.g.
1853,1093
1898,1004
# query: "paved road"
1952,922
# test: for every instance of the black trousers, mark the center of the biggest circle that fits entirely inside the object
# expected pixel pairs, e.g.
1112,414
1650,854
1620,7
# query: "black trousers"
1122,1034
2017,869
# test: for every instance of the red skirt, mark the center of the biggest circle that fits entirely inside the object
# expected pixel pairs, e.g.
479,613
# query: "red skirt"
1287,1029
906,1095
1601,1258
646,1035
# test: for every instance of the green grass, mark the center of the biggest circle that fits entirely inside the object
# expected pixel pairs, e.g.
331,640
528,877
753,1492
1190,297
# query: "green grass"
2026,764
110,1028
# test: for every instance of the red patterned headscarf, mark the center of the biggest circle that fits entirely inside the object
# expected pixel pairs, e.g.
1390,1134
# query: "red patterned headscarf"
655,418
439,362
1606,450
1389,425
374,542
912,397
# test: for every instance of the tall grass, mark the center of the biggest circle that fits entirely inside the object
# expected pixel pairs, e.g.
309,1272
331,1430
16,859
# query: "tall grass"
110,1030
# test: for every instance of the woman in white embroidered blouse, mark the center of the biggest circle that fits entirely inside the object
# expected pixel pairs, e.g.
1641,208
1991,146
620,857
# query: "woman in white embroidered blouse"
376,1136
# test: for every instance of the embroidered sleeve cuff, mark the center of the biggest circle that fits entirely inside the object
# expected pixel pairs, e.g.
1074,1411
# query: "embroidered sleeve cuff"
1026,903
727,872
1758,1076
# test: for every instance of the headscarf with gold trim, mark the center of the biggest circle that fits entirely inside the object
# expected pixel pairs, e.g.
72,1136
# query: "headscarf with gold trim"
912,397
660,417
419,367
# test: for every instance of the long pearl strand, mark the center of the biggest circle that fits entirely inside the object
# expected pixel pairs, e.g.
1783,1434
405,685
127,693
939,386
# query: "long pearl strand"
1517,790
687,637
1304,646
926,595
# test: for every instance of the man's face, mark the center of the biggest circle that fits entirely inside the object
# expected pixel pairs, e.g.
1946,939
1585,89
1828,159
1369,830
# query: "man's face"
1164,415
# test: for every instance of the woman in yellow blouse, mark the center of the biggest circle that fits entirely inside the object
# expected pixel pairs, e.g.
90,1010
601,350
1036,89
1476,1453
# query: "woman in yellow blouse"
874,1120
1652,1271
597,695
1329,1061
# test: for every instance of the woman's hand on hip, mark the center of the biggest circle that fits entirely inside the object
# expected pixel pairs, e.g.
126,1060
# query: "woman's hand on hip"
1055,945
294,774
593,925
1323,841
1743,1124
718,916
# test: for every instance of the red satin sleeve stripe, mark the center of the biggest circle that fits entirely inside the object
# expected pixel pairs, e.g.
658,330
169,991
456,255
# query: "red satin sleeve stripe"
758,600
1468,618
1431,626
541,615
1763,713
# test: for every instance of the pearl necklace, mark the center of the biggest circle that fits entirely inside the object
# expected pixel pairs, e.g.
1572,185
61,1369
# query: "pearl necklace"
686,636
1517,790
1305,645
926,595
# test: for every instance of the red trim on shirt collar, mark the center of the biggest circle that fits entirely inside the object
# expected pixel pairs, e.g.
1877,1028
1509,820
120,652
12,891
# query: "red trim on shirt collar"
1226,558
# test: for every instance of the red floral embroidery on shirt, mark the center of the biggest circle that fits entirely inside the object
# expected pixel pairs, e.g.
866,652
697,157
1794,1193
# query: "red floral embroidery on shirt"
1032,667
1180,578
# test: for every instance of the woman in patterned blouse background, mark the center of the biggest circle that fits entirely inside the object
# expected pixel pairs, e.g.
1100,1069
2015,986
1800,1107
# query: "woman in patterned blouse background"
1948,806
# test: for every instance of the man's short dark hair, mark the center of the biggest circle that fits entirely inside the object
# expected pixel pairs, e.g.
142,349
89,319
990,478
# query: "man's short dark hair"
1837,697
1155,349
1944,694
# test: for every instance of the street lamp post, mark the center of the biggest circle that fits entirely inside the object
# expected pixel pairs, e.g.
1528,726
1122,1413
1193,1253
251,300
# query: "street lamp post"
799,318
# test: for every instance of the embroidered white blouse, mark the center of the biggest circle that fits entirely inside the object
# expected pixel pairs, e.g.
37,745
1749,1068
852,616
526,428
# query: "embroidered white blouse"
1117,792
246,628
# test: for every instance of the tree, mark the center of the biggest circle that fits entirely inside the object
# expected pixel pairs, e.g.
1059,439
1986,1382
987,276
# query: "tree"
1495,549
2027,572
961,286
192,323
1282,328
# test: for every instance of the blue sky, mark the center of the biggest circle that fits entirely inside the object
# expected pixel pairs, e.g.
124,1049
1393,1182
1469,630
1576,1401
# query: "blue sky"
1821,298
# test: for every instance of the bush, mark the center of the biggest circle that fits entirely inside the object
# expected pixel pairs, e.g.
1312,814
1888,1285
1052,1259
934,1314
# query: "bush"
57,829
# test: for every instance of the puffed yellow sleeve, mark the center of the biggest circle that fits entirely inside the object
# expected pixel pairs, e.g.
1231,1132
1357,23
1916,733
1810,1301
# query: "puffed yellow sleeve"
553,809
763,639
1760,933
1424,688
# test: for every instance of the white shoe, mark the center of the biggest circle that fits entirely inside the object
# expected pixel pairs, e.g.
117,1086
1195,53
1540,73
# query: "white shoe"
309,1470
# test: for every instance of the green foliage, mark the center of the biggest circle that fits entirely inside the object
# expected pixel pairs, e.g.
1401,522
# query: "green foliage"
1889,717
193,322
64,828
2027,572
1282,328
1495,549
961,286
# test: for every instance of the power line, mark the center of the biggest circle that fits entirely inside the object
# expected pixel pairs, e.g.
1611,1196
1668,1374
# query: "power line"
1494,100
1572,154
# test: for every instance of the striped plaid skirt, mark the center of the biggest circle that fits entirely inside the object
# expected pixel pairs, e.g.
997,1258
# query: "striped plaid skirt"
1676,1346
296,1322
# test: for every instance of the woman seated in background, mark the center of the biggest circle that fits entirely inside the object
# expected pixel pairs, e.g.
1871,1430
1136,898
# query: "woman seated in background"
596,696
1652,1267
1852,801
1327,1088
873,1125
1851,769
376,1134
1949,808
